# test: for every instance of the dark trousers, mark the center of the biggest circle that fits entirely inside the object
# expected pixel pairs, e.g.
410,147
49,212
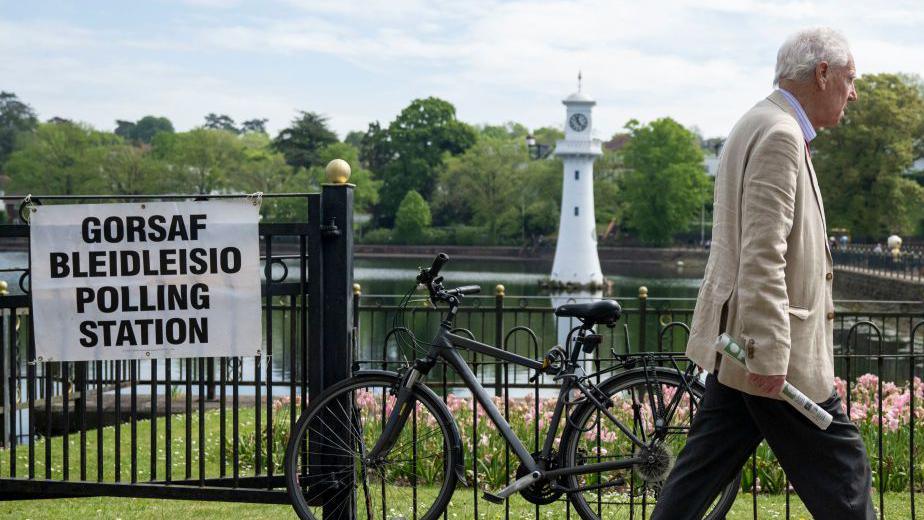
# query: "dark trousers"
829,468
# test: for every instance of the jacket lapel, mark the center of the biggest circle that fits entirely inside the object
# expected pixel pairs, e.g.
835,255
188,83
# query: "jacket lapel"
821,205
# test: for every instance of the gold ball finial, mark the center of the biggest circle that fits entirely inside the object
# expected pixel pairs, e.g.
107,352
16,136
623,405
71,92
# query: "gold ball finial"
499,290
357,289
643,292
4,288
338,171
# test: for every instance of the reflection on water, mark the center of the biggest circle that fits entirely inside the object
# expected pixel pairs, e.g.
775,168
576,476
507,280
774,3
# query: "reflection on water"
520,278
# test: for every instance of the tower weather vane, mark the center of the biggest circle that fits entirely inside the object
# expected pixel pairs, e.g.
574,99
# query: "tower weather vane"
579,80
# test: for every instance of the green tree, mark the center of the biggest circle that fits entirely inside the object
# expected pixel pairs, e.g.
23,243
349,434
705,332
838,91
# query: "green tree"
224,122
548,135
508,130
300,142
354,138
204,161
418,139
124,169
495,185
57,159
534,204
666,185
254,126
608,173
413,218
861,163
485,179
375,151
262,168
16,118
365,195
143,130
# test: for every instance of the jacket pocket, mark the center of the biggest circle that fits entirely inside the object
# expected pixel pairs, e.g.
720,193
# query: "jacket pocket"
799,312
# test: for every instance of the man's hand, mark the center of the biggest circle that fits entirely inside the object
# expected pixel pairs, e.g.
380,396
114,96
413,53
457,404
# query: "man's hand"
769,385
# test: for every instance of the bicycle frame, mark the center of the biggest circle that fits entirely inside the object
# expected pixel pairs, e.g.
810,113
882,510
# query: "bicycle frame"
445,346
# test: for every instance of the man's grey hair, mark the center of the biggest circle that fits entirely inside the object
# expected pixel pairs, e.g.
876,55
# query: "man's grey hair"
802,51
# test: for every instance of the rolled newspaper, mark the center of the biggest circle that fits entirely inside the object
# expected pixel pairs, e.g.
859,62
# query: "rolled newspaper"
731,350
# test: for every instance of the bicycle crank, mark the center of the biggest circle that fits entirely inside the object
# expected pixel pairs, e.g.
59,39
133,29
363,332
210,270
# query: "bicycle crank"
541,492
517,485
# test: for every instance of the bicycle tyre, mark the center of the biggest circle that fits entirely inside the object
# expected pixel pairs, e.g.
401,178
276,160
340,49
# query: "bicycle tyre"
619,385
315,419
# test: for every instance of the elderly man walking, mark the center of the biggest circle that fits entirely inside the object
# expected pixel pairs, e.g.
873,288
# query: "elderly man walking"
768,284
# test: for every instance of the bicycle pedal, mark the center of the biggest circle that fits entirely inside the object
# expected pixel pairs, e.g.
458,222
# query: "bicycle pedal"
494,499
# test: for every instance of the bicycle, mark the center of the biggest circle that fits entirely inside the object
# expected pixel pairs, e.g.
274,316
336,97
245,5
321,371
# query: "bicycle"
385,443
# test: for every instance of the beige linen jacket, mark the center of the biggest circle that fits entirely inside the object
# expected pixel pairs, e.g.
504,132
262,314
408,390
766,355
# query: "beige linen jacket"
770,270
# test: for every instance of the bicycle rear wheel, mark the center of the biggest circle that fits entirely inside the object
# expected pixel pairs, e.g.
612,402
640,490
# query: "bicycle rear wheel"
326,463
591,437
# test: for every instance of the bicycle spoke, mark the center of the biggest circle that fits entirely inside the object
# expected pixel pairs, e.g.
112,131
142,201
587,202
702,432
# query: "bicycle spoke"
336,438
638,405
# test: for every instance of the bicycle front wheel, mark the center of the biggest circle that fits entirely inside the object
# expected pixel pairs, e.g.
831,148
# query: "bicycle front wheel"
328,472
591,437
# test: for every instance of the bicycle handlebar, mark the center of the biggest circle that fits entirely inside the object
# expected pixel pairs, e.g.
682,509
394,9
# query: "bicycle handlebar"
427,276
430,278
438,264
465,289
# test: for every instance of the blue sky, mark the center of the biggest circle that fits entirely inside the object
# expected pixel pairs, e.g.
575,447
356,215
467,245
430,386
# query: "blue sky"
702,62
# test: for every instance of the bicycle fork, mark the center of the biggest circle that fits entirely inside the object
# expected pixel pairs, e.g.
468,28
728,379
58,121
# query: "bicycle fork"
404,405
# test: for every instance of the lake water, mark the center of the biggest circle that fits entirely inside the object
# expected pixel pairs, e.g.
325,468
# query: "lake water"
519,278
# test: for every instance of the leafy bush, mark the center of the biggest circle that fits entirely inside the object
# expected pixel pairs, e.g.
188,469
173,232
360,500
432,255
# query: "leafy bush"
377,236
413,219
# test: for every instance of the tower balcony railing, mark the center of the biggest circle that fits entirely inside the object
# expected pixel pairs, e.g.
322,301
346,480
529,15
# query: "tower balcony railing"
594,147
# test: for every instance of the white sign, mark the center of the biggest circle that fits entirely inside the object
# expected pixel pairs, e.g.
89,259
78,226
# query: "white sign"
145,280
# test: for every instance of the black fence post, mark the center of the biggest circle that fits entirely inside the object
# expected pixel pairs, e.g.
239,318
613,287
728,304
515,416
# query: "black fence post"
642,314
210,378
5,409
357,294
499,337
337,281
330,349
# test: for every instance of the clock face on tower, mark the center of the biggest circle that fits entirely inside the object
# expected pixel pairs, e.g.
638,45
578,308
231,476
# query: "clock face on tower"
578,122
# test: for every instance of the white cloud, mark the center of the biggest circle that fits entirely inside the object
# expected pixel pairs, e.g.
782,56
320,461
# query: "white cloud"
702,62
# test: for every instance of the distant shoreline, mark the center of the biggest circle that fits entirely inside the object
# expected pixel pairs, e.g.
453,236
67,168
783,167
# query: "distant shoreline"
640,261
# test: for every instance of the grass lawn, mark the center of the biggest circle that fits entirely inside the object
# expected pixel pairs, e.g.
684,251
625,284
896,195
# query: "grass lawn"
462,506
769,507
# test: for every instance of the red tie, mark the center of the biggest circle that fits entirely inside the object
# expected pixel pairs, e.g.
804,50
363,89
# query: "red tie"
808,148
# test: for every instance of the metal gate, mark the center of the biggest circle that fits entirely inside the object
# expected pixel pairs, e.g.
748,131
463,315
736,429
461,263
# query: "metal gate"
198,428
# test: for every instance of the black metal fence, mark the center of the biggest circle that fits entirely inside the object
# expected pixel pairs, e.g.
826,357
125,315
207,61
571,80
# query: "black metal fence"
202,428
906,264
879,353
215,429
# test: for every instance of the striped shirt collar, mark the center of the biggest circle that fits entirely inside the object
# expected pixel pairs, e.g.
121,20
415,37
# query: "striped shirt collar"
807,131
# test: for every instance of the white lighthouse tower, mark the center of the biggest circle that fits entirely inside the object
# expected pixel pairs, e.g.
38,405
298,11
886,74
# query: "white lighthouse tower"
576,260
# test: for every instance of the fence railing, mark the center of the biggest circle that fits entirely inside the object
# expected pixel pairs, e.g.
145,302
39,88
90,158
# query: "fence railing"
187,428
907,264
878,357
216,429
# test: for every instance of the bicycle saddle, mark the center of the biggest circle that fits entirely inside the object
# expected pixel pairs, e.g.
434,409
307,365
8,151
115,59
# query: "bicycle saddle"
603,311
